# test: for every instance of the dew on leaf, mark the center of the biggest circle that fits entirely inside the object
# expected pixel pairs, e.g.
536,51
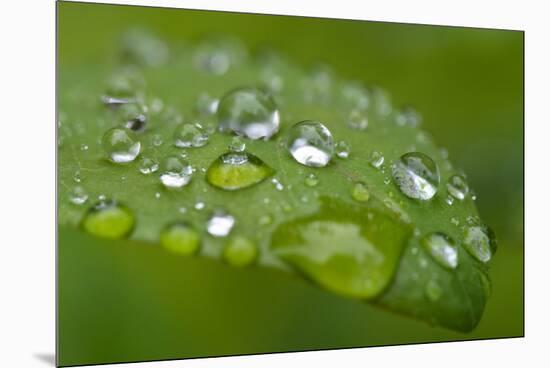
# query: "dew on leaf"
376,159
358,119
180,238
310,143
237,144
190,135
206,105
457,187
220,224
478,243
148,165
342,149
311,180
108,219
120,145
416,175
237,170
442,249
360,192
78,195
176,172
240,251
408,117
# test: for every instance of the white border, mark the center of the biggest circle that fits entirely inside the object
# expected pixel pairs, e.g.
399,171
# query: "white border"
28,173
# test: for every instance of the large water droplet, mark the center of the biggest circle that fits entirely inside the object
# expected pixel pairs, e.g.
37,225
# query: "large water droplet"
176,172
190,135
108,219
120,145
310,143
240,251
343,249
416,175
478,243
237,170
180,238
442,249
220,224
458,187
248,112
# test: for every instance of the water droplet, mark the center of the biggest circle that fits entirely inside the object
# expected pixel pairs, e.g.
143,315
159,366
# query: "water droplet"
360,192
83,147
342,149
381,102
77,177
311,180
148,166
433,290
217,55
120,145
408,117
108,219
442,249
237,170
358,120
220,224
157,195
449,200
248,112
134,116
180,238
416,175
237,144
457,187
176,172
207,105
157,140
277,184
240,251
310,143
356,96
478,243
78,195
376,159
199,206
190,135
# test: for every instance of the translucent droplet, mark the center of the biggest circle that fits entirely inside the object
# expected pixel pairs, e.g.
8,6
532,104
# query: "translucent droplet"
248,112
157,140
148,166
342,149
77,177
133,116
356,96
220,224
376,159
240,251
408,117
199,205
190,135
458,187
120,145
108,219
478,243
442,249
416,175
311,180
360,192
176,172
278,185
78,195
180,238
358,120
310,143
216,56
83,147
207,105
433,290
237,170
237,144
449,200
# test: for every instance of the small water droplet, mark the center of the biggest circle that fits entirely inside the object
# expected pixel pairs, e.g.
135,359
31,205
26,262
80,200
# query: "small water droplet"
355,96
433,290
180,238
310,143
176,172
342,149
217,55
148,166
240,251
237,170
220,224
311,180
248,112
134,116
376,159
237,145
199,206
358,120
182,210
78,195
478,243
278,185
416,175
157,195
408,117
449,200
190,135
442,249
457,187
207,105
108,219
77,177
360,192
83,147
157,140
120,145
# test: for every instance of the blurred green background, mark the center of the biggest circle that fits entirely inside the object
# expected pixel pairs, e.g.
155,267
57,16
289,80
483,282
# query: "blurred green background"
466,83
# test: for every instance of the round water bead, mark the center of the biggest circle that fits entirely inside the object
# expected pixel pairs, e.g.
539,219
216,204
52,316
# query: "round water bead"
180,238
133,116
478,243
310,143
376,159
442,249
108,219
458,187
416,175
248,112
237,170
120,145
190,135
358,120
220,224
240,251
237,144
148,166
342,149
311,180
176,172
78,195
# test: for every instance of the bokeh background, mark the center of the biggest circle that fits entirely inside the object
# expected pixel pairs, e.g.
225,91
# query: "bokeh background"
468,86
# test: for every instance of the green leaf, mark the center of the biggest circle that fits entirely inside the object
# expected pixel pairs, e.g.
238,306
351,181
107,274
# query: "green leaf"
362,243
